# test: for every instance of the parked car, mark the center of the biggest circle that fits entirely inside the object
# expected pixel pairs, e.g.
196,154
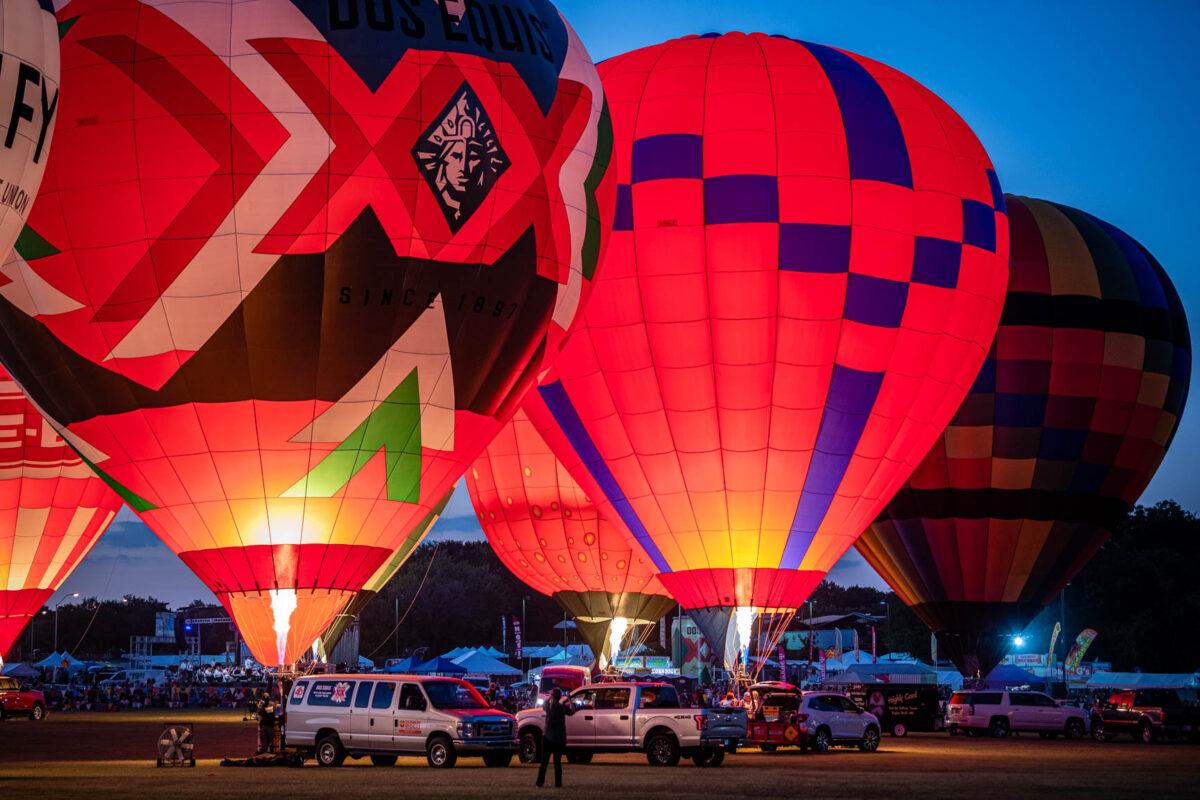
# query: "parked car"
999,713
17,700
1148,714
335,716
637,717
828,719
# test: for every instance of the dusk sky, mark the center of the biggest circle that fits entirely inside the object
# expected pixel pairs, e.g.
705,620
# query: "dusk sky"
1091,105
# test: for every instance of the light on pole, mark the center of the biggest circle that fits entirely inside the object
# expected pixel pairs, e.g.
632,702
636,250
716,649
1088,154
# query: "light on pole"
56,605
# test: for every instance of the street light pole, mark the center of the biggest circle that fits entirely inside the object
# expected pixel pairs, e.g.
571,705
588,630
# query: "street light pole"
56,605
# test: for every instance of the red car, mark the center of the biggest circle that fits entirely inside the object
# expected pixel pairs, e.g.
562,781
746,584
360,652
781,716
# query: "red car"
16,701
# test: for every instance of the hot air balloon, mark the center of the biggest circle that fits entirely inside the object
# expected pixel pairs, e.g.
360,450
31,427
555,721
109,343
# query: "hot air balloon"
52,511
1067,421
808,263
550,534
294,264
329,639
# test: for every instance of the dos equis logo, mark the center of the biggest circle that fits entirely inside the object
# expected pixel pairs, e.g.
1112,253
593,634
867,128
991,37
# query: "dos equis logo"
460,157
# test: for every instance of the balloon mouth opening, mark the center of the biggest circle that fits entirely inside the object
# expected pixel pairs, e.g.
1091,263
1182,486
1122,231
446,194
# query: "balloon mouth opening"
616,632
283,605
743,618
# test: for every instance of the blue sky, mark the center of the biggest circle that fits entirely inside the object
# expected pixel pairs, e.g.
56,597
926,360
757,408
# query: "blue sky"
1094,105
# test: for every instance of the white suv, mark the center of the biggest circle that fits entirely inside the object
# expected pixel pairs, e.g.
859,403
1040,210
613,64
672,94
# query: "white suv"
826,719
998,713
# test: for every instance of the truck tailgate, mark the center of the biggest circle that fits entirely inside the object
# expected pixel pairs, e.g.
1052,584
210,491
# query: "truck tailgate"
724,723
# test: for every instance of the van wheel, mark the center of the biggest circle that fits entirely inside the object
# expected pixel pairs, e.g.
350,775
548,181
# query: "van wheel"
662,750
998,727
579,757
1074,729
38,713
531,748
383,761
497,759
440,753
330,752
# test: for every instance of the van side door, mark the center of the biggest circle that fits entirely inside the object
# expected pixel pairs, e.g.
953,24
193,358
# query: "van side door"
408,718
379,716
360,731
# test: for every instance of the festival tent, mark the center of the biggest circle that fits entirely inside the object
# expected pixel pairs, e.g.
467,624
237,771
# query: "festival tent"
19,670
409,664
541,651
558,655
455,653
365,663
440,666
1143,680
886,673
950,677
50,662
477,662
1004,676
491,651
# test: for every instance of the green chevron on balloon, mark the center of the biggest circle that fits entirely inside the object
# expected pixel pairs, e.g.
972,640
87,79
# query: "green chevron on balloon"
395,428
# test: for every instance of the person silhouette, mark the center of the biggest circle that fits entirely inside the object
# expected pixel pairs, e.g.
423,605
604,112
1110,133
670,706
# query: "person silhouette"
554,739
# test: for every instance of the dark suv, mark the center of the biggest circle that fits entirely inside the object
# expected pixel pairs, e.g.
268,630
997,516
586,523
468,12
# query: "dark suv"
1147,714
17,700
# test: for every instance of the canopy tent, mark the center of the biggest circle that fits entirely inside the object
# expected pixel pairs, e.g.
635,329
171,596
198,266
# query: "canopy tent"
541,651
1143,680
950,677
440,666
409,664
50,662
565,625
559,655
477,662
19,669
491,651
886,673
580,651
1004,676
455,653
364,662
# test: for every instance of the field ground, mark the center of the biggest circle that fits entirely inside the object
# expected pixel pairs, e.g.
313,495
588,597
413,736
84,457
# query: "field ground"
99,756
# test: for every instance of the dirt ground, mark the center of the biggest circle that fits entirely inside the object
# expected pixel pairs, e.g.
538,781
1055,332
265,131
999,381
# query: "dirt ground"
98,756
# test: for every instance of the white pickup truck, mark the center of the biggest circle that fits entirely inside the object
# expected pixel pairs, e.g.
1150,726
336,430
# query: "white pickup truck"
637,717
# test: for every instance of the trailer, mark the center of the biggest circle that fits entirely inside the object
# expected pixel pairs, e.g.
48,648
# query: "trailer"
900,707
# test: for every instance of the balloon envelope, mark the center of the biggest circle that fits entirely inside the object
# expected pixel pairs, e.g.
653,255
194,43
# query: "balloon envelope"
1069,418
808,261
294,264
550,534
53,509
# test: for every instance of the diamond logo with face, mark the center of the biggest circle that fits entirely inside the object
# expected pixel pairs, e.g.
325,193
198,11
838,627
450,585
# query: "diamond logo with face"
460,157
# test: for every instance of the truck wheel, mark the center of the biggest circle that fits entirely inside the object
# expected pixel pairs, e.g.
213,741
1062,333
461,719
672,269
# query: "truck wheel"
531,748
38,713
870,740
708,757
440,753
497,759
899,730
330,752
768,748
662,750
383,761
1145,733
1074,729
579,757
998,727
1098,732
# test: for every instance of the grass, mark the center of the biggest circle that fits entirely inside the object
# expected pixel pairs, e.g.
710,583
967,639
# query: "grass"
112,756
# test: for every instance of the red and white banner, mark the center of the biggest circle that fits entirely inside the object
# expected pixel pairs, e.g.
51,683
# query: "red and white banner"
517,636
782,663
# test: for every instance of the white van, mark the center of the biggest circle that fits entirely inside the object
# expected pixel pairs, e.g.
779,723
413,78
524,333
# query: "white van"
334,716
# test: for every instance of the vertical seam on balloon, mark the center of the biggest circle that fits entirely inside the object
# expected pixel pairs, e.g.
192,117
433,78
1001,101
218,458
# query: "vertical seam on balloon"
776,578
660,560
